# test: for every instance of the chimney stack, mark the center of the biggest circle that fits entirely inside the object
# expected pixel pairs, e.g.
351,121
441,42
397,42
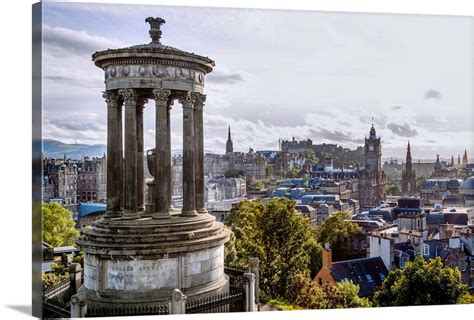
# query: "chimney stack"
327,256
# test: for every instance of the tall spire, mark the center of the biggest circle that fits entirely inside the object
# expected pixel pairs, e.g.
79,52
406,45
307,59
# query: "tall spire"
437,164
229,147
464,158
408,159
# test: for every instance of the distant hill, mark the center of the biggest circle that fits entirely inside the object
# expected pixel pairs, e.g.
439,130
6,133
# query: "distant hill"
57,149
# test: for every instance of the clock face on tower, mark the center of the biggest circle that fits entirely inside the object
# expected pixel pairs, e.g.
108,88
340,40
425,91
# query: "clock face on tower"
371,148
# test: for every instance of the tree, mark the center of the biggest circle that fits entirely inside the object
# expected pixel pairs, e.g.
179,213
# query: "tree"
280,173
230,252
419,181
392,189
311,295
467,298
257,185
280,237
337,230
57,275
293,173
421,283
310,159
58,225
269,171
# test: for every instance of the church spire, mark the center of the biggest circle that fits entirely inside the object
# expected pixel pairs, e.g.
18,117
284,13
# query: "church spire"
229,147
464,158
437,164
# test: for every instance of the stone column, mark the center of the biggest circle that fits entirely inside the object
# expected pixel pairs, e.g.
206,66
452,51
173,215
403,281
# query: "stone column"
140,155
130,98
120,160
249,287
75,276
161,146
114,153
78,305
254,264
199,100
169,162
177,305
189,199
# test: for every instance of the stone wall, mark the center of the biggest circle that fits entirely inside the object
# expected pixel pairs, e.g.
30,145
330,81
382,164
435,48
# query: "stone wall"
190,270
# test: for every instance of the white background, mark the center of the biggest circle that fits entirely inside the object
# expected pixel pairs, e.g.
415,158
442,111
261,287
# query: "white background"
15,168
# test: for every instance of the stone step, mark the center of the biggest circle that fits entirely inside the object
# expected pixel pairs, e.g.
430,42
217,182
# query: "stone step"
118,236
132,250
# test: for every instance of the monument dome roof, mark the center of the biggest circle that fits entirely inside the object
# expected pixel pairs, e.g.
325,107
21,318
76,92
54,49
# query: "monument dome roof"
468,184
103,58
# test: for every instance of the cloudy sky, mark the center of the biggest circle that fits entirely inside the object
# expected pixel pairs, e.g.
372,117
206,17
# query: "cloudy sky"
278,75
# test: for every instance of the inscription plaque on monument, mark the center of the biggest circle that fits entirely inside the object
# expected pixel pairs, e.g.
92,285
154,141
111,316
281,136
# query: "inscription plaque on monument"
142,274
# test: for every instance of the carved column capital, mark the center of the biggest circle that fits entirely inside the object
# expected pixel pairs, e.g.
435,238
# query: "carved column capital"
186,99
129,96
161,96
111,98
199,100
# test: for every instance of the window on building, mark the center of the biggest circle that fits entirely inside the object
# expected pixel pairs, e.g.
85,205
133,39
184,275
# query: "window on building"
426,250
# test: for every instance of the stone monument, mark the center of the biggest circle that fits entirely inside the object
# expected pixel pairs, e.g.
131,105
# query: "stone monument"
139,253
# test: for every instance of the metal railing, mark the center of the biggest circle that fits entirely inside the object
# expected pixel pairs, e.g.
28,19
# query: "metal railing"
236,277
53,311
56,300
232,301
57,289
161,309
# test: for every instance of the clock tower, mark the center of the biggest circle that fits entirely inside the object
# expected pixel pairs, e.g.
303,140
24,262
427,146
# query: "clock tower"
372,179
373,152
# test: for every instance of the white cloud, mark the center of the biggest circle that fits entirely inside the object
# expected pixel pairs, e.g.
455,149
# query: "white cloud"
281,74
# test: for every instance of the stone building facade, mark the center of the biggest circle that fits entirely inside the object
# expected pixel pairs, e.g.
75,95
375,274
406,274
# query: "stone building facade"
224,189
252,165
442,170
295,146
92,180
60,182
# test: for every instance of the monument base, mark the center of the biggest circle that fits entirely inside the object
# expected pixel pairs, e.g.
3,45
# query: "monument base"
137,263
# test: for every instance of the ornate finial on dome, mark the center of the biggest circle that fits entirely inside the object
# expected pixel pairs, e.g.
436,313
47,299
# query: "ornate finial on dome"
155,28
